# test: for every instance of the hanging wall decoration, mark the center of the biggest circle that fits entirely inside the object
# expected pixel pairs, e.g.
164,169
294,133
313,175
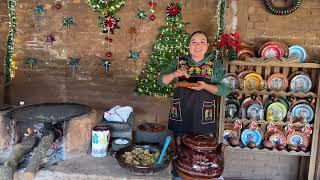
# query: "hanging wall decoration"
134,55
58,5
147,15
74,63
9,64
68,21
50,38
142,14
292,5
31,62
106,64
39,10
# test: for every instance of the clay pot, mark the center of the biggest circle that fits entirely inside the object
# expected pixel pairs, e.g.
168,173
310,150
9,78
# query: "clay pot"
193,149
151,133
252,145
268,144
234,141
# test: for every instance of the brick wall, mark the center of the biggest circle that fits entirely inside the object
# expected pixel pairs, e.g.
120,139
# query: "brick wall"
52,79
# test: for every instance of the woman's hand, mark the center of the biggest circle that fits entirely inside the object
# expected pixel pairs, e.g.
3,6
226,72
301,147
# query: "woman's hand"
181,72
202,85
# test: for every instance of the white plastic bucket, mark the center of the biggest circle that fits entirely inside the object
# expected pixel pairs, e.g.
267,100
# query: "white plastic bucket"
100,141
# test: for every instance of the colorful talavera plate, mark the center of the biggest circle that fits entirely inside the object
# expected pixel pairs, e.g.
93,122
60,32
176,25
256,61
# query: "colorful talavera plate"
277,82
253,81
278,138
298,51
298,138
233,81
276,112
301,83
251,135
304,111
255,111
272,51
232,108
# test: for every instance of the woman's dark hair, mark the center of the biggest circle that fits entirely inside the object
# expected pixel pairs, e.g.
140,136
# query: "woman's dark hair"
198,32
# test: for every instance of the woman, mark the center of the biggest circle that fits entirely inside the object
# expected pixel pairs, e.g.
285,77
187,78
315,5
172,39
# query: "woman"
193,108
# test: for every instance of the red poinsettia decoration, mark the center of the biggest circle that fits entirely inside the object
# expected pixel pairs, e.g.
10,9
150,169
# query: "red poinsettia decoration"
173,9
108,23
227,40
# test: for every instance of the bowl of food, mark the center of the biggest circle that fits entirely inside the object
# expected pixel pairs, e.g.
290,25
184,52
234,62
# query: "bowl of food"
141,159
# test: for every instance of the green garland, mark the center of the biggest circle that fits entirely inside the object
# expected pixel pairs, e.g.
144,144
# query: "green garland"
283,10
105,7
220,25
9,64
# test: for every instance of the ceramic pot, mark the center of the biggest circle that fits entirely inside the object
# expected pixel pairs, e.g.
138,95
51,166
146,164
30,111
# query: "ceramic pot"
151,133
199,157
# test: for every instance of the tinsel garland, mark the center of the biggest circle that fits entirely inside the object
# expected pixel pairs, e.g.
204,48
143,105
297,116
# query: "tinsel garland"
9,64
106,7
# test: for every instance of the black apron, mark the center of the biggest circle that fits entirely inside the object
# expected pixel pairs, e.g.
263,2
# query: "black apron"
193,111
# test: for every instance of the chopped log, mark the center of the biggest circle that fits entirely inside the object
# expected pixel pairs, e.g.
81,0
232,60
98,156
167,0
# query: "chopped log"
16,155
39,153
6,172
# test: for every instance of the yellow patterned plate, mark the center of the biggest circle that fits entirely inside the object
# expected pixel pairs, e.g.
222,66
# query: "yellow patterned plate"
253,81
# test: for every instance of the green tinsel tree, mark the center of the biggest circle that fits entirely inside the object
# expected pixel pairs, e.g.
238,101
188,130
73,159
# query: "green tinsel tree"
170,44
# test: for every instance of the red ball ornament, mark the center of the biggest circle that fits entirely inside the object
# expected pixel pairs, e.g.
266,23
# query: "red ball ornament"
152,4
58,5
108,54
110,39
152,17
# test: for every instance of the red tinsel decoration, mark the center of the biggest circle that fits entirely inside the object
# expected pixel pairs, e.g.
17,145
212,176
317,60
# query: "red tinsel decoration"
173,9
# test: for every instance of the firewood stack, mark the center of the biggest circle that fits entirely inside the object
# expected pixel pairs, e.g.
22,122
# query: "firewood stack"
39,146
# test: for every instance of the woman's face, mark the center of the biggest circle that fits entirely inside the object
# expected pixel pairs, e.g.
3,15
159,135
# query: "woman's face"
198,45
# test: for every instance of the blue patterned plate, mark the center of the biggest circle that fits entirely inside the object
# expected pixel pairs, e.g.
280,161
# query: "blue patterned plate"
298,51
255,111
300,82
304,111
251,135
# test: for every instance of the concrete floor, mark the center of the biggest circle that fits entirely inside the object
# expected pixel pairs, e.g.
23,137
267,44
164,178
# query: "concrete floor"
90,168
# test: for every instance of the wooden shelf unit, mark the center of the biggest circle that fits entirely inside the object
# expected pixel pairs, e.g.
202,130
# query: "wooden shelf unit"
266,69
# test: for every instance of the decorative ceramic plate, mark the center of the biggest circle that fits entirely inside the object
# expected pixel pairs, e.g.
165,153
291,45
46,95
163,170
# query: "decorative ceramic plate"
277,82
255,111
251,135
298,51
298,138
272,51
277,99
233,81
300,82
276,112
232,108
272,48
253,81
304,111
278,138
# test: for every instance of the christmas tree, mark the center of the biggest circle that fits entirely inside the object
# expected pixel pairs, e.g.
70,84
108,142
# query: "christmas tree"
170,44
